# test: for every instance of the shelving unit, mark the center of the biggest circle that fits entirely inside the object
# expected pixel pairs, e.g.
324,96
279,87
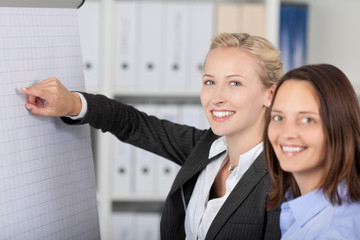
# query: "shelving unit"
106,73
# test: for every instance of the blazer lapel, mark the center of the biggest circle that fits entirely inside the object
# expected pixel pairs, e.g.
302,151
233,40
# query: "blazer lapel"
197,160
243,188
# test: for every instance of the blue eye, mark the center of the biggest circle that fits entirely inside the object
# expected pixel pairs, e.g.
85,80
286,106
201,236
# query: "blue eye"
276,118
235,84
209,82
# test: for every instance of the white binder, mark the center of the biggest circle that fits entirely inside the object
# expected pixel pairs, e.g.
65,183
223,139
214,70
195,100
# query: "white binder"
151,45
89,20
122,170
201,32
166,170
204,123
149,226
168,112
144,173
191,115
136,226
124,226
176,45
127,44
144,176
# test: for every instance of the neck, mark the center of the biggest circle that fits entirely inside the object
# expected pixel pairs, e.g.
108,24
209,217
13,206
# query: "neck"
307,183
242,141
240,145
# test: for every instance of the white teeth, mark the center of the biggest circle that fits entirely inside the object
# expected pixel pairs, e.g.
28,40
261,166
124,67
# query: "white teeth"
221,114
292,149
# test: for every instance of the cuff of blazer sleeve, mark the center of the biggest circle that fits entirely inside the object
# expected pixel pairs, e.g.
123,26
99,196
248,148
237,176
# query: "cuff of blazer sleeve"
83,108
77,119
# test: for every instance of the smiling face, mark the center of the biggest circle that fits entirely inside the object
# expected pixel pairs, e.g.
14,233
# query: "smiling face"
232,94
296,133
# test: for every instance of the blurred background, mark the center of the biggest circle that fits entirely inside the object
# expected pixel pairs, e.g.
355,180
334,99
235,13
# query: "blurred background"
150,54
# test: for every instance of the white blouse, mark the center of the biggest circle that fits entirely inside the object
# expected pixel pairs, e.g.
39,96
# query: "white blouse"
201,212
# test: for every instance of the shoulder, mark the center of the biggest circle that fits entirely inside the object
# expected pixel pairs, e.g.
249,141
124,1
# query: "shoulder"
345,222
347,213
338,233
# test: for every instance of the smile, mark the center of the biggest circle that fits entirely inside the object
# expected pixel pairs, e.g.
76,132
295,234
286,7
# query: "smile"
221,114
292,149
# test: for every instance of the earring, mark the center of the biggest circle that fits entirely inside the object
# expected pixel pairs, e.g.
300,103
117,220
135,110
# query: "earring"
269,103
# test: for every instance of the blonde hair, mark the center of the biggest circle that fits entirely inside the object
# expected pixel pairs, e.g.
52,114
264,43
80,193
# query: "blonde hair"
270,67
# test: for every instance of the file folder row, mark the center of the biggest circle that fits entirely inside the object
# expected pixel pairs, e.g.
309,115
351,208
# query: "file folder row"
141,174
89,29
162,45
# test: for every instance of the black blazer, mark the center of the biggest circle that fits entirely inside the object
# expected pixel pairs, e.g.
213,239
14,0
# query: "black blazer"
243,215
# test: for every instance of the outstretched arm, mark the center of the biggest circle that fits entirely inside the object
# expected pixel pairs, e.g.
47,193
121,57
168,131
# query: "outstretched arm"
51,98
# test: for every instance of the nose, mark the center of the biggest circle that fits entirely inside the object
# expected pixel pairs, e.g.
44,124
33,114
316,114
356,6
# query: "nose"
289,130
219,96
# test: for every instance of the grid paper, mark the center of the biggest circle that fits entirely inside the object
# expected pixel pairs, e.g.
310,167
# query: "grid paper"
47,180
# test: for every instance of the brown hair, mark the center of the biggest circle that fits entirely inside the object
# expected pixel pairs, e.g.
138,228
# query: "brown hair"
270,67
340,114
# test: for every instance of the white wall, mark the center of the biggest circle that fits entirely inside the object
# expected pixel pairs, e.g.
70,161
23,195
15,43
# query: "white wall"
334,35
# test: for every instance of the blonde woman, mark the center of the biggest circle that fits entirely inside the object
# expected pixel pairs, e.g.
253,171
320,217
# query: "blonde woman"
221,189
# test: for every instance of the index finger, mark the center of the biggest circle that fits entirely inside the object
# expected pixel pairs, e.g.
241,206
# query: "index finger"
34,93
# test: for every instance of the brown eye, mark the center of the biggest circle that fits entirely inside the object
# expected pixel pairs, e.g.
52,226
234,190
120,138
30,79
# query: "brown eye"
307,120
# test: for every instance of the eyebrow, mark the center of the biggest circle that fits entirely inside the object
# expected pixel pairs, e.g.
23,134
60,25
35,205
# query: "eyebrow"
227,76
301,112
207,75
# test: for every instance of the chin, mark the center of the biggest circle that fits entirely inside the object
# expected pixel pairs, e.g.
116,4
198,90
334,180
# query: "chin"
220,132
287,167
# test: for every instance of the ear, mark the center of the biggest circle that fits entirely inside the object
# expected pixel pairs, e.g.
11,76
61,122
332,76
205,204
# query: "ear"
269,95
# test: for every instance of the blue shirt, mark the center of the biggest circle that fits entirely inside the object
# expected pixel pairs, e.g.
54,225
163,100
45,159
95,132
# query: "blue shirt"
312,216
